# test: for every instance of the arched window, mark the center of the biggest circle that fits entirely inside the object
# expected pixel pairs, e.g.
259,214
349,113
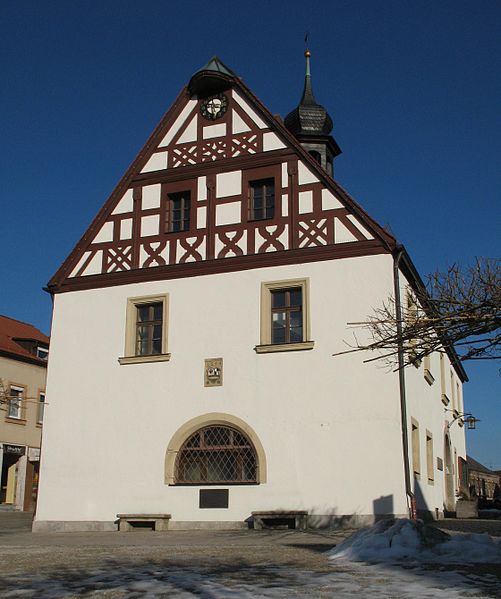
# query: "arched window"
216,455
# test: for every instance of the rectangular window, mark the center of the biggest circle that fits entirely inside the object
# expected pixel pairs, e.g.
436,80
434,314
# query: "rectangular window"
416,458
430,379
178,212
285,316
42,353
445,397
149,319
41,406
262,199
146,330
429,457
453,392
15,407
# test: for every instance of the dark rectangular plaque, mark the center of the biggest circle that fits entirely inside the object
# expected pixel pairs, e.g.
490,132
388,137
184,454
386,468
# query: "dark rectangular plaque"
213,498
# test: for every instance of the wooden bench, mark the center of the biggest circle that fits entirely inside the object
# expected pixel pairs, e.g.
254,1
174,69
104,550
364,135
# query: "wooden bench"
129,522
292,519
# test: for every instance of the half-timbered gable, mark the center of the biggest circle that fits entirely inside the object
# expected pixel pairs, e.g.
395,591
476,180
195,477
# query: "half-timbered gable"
207,166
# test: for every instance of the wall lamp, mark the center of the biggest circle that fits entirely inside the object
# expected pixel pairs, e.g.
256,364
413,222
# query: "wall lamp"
470,420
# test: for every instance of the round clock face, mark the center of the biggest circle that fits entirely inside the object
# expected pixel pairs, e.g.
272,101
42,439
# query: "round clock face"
214,107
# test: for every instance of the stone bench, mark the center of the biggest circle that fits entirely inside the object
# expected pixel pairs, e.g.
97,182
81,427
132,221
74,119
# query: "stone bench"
129,522
292,519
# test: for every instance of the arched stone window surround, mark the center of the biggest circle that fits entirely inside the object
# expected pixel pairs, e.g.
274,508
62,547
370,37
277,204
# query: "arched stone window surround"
212,419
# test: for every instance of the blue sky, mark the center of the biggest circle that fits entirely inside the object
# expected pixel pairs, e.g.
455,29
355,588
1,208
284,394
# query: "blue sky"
413,89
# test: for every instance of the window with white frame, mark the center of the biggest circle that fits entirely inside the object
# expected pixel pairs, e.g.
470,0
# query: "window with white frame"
41,407
15,406
42,353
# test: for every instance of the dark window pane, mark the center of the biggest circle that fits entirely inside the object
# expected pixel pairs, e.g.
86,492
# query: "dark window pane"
142,313
296,319
278,335
262,199
295,295
178,212
296,335
278,299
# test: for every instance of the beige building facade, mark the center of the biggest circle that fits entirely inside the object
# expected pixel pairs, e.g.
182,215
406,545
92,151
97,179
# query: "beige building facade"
23,370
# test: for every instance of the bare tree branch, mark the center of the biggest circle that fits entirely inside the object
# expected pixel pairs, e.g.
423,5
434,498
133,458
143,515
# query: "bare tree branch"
460,308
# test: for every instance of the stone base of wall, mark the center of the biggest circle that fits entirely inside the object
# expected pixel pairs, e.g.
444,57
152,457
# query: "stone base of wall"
73,526
315,522
203,525
331,522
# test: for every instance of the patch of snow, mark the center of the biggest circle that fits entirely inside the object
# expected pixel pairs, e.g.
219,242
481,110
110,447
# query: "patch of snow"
404,540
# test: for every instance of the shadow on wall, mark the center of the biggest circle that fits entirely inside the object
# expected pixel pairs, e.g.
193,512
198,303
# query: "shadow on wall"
424,511
382,508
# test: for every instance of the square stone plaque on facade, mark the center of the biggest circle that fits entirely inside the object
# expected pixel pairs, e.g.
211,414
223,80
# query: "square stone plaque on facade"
213,372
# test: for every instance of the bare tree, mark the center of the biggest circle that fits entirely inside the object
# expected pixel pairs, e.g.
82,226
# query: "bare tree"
460,308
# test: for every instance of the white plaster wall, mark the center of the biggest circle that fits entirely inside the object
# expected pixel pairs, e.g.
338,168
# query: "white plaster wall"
151,196
125,204
330,426
156,162
424,404
228,214
228,184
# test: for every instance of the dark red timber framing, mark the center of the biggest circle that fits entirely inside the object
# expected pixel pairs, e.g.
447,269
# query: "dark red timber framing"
195,155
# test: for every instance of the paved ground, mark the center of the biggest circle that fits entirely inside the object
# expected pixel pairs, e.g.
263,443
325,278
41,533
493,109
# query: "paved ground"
211,565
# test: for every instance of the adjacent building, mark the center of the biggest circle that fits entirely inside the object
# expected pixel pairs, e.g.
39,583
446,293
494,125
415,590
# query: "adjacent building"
23,369
483,482
194,329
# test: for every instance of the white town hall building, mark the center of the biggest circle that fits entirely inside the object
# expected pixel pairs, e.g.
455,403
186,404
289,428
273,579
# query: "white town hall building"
194,326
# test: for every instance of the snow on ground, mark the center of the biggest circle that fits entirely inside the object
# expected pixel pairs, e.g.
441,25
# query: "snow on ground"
409,542
273,582
396,559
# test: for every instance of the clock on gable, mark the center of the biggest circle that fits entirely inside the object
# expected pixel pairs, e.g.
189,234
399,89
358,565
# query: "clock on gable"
214,107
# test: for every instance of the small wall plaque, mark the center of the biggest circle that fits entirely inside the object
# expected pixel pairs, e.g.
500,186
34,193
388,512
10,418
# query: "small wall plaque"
213,372
440,464
213,498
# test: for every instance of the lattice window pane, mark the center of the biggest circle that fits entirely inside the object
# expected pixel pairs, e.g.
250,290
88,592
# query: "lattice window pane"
216,454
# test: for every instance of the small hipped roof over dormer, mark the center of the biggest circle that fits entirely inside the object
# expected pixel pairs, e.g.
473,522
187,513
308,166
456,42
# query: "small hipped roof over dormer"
213,77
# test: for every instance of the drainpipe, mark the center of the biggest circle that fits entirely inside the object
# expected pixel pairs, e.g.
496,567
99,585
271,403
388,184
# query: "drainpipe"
411,502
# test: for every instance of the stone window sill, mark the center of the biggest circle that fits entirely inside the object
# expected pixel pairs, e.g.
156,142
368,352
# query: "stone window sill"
278,347
429,378
144,359
16,420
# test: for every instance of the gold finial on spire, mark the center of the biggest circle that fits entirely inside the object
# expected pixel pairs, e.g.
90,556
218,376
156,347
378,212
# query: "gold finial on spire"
307,53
